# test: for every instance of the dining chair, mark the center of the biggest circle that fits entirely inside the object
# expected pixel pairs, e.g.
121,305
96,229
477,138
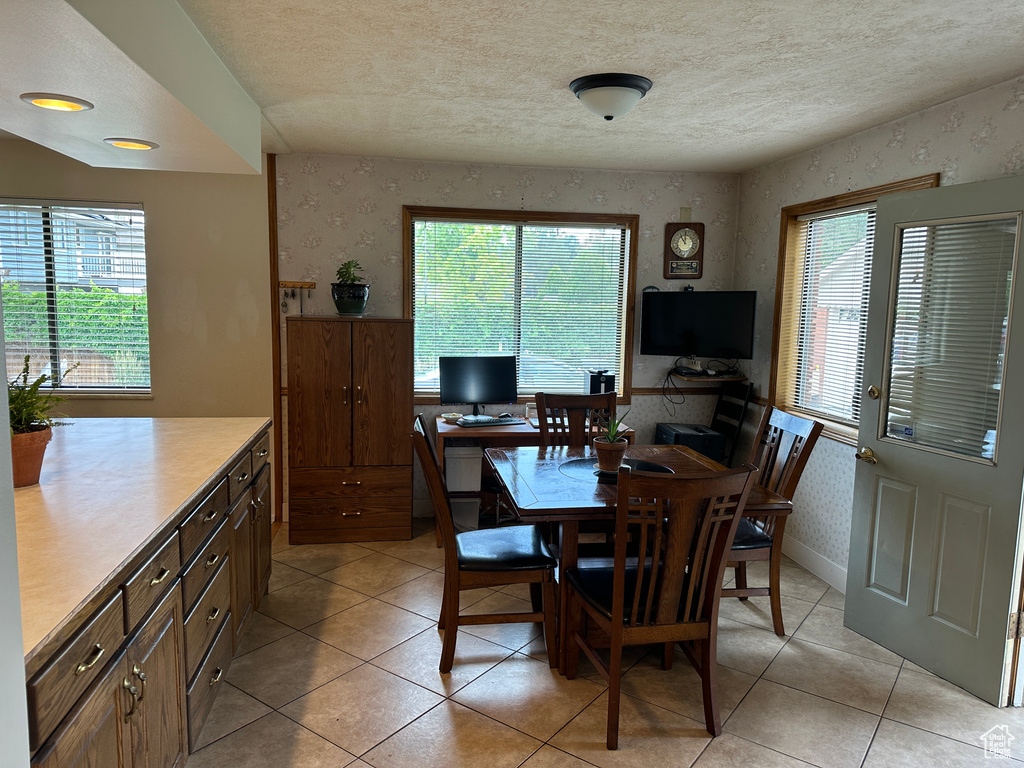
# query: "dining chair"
672,536
780,453
491,557
570,419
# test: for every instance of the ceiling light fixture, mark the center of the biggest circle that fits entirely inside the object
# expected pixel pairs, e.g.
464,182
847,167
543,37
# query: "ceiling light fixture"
611,95
132,143
56,101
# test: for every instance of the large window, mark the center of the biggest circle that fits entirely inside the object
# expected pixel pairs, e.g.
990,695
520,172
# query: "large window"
555,289
821,305
73,281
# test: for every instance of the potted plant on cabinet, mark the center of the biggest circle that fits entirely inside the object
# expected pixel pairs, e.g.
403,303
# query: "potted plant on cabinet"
348,293
610,444
31,422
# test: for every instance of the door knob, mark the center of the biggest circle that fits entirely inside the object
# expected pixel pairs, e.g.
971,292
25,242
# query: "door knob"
866,455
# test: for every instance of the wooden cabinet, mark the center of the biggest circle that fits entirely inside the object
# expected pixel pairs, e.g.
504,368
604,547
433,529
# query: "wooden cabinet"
241,531
349,416
261,511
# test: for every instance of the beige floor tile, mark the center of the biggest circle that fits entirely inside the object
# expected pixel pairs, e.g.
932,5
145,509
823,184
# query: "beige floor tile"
745,647
452,736
729,751
852,680
286,669
417,660
283,575
308,602
912,667
512,636
422,550
362,708
522,591
370,628
648,736
317,558
794,581
900,746
232,710
280,541
273,741
932,704
549,757
375,574
261,630
833,599
422,525
423,595
757,611
803,726
679,688
528,695
824,626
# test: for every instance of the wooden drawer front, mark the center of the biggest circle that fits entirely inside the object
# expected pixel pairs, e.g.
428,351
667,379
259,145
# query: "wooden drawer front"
208,682
349,482
240,476
323,520
199,572
203,520
206,618
147,584
260,453
58,685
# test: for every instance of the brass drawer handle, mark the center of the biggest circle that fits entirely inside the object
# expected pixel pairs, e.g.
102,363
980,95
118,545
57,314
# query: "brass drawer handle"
137,671
213,615
127,685
242,477
164,573
353,482
351,514
262,453
212,560
85,666
210,517
217,676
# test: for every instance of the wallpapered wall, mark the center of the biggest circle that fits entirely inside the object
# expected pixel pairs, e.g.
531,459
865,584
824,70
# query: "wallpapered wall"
974,138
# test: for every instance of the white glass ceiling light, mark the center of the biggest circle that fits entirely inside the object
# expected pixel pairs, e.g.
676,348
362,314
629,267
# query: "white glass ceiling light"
611,95
56,101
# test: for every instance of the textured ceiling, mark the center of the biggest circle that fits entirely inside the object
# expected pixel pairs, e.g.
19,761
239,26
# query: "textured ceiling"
736,84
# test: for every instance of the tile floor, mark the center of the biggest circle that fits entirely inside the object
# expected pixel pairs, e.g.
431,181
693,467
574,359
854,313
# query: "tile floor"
339,668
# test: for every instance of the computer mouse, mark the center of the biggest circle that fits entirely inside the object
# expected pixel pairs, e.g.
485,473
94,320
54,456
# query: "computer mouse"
504,415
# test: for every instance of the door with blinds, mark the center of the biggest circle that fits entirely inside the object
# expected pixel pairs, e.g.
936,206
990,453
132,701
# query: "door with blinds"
935,561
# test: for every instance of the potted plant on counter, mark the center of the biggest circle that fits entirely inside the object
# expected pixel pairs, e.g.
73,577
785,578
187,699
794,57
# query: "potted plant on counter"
31,422
348,293
611,444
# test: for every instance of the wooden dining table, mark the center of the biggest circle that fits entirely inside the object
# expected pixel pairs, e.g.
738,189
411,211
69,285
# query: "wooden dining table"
561,485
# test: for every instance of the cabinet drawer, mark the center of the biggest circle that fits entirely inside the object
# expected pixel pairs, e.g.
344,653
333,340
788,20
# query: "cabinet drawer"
240,476
370,519
199,572
208,682
59,684
201,522
147,584
349,482
260,453
206,618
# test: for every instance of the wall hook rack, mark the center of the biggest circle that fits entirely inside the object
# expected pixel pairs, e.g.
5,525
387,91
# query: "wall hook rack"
293,289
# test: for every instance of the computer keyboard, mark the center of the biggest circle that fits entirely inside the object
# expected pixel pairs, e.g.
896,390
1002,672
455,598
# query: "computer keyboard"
495,421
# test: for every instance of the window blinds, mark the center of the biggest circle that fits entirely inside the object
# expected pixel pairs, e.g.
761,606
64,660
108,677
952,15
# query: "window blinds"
73,278
554,295
824,313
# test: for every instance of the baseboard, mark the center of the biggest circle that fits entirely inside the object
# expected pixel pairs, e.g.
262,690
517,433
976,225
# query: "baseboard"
820,566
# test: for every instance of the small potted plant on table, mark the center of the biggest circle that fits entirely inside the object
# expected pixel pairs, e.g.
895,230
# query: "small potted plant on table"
31,422
348,293
611,444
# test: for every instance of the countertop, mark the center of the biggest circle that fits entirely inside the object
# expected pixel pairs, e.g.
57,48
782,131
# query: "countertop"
109,487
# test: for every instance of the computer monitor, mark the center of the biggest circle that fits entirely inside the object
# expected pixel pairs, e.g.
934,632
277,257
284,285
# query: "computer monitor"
717,324
478,380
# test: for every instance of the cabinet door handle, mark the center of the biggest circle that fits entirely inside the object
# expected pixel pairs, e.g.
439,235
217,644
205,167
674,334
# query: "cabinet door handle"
351,514
242,477
262,453
164,573
210,517
344,395
352,482
359,395
217,676
127,685
212,560
213,614
94,657
137,671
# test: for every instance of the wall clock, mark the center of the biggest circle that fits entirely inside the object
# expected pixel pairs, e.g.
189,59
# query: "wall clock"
684,250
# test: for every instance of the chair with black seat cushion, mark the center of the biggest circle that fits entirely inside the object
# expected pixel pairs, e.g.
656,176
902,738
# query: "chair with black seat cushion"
492,557
571,419
672,536
780,453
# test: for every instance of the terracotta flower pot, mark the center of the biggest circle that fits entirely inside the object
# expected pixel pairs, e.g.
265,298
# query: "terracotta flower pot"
609,455
27,450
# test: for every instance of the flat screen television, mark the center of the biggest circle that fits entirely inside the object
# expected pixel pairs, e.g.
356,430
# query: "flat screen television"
478,380
718,324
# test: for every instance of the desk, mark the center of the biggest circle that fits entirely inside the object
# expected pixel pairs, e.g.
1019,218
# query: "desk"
540,491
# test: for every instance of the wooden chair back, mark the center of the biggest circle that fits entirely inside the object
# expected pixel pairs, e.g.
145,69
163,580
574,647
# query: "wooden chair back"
684,525
570,419
730,414
436,485
782,448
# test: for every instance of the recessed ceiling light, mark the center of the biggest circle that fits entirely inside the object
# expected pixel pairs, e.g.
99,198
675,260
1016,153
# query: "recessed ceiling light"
132,143
56,101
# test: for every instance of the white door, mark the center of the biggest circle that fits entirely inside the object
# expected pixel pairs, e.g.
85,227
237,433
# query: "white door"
935,538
